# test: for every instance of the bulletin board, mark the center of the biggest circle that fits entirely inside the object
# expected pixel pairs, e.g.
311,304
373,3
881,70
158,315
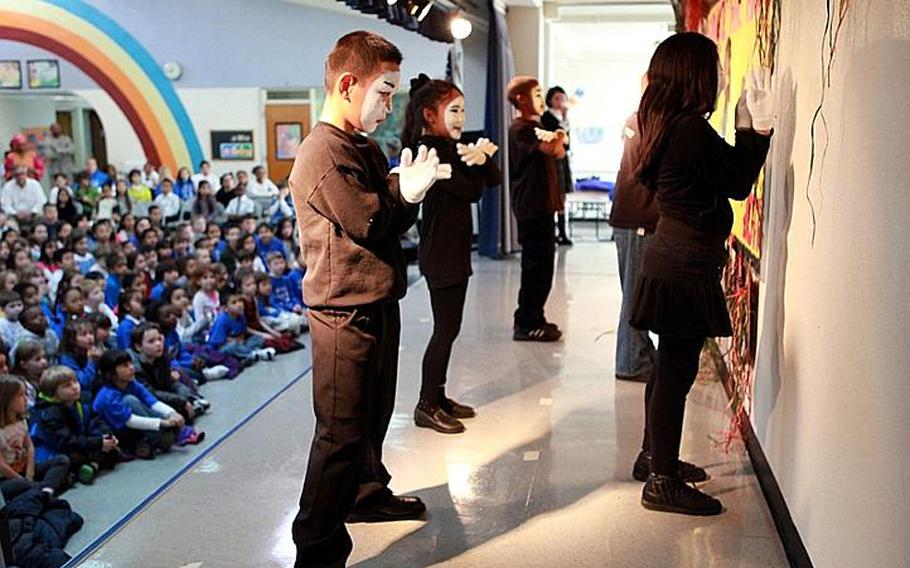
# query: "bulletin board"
733,26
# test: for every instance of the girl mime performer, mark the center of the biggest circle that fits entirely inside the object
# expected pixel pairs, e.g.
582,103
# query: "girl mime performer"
435,118
678,295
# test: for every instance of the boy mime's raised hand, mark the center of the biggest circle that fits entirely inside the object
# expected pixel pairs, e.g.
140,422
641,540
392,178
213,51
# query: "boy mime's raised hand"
476,154
417,174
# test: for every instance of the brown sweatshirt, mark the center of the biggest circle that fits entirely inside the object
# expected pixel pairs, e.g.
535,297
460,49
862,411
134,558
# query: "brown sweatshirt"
351,218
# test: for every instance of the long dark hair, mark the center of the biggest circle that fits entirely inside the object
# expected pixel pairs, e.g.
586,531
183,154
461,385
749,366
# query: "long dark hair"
682,80
425,93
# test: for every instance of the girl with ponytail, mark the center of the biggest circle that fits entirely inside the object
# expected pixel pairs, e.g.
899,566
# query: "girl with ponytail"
435,118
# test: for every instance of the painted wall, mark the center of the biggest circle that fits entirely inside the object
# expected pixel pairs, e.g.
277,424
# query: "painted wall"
475,77
832,391
526,34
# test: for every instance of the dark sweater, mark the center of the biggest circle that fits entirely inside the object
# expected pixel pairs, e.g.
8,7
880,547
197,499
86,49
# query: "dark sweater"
447,228
531,172
634,205
699,172
58,429
351,218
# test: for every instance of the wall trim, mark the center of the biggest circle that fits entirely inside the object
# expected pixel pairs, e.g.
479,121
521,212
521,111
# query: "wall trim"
795,549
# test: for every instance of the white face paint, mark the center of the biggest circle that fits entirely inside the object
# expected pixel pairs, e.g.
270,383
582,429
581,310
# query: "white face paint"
538,101
454,116
377,103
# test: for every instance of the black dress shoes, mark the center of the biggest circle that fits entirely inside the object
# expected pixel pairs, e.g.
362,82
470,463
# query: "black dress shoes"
433,416
397,508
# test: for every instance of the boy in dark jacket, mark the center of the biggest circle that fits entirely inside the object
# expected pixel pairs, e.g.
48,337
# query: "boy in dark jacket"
351,212
63,425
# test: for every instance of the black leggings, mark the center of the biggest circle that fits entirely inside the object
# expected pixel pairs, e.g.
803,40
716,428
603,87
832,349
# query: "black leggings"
665,400
448,307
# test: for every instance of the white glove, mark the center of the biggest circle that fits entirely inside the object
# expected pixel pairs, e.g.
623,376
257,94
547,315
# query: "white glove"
544,135
760,101
487,146
743,118
417,175
471,154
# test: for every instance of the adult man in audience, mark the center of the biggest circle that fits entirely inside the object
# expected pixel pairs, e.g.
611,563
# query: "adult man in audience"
97,177
240,205
205,173
261,185
59,151
22,196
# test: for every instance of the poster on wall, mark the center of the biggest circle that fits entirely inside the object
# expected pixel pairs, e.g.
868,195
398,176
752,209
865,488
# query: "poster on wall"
733,26
10,75
232,145
43,74
288,135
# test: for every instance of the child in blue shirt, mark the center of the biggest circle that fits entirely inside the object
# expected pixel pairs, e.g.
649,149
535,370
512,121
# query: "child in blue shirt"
79,352
140,421
266,243
278,319
132,313
116,267
166,274
229,334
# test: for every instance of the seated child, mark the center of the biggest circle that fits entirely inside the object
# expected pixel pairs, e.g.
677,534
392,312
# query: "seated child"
166,275
279,319
10,328
35,327
17,453
229,334
28,360
207,300
140,421
182,359
131,312
93,292
80,353
153,369
62,425
247,281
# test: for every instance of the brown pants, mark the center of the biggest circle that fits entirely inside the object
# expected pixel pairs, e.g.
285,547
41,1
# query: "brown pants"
355,369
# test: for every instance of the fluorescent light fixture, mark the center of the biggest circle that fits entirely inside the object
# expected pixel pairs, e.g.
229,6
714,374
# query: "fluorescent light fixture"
461,27
391,2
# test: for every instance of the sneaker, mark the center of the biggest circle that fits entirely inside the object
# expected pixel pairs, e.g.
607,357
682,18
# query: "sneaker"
670,495
202,402
186,433
543,333
564,241
215,373
688,473
266,354
144,451
87,474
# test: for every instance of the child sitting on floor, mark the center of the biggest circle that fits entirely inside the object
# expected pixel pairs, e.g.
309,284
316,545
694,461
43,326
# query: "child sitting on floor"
229,334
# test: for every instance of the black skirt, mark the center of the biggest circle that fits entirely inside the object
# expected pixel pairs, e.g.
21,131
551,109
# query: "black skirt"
679,291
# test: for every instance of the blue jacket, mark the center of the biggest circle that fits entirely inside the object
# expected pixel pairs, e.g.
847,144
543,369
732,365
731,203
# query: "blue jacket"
157,291
58,429
112,290
125,332
184,189
275,245
225,327
85,373
110,406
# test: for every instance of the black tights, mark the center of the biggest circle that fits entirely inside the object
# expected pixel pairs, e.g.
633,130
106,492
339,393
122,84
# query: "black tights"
448,306
665,400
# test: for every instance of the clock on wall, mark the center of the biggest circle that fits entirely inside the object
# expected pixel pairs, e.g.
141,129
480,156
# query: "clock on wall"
172,70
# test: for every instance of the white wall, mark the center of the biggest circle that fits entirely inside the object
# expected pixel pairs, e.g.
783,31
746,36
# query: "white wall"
236,109
475,77
22,111
526,35
832,394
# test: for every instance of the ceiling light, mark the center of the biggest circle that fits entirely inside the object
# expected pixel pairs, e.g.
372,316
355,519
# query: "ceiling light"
391,2
425,11
461,27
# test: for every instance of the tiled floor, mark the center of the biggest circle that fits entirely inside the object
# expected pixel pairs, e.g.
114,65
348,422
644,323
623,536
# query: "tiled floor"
540,479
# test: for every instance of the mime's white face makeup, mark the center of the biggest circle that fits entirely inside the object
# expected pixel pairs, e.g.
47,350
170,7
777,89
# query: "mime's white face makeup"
537,100
454,117
377,103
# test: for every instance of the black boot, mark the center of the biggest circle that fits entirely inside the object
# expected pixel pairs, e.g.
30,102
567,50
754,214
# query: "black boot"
670,495
688,473
428,415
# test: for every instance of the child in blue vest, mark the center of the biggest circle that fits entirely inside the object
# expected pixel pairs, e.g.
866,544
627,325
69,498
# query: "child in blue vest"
63,426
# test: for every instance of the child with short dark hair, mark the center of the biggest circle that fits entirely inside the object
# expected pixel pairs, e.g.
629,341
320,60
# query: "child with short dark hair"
10,327
35,327
132,313
116,268
79,351
17,452
140,421
166,275
229,334
64,426
535,199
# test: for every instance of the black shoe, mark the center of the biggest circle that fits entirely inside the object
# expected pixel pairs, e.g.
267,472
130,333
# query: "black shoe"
544,333
455,409
671,495
397,508
428,415
564,242
688,473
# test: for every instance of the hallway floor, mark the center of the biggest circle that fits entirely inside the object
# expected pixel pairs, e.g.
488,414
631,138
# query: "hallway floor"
541,479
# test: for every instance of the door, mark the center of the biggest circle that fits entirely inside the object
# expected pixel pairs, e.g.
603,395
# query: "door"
65,119
96,133
286,125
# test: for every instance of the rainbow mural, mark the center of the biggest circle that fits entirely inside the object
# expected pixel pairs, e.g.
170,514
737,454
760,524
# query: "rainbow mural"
117,62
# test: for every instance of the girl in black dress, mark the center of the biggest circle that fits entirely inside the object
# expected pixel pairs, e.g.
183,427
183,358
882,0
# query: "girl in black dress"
678,296
435,118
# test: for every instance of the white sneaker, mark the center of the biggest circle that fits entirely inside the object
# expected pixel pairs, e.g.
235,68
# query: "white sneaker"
215,373
203,403
266,354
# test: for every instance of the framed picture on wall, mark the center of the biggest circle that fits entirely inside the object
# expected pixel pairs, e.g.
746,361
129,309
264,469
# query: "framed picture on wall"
43,74
10,75
288,135
232,145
